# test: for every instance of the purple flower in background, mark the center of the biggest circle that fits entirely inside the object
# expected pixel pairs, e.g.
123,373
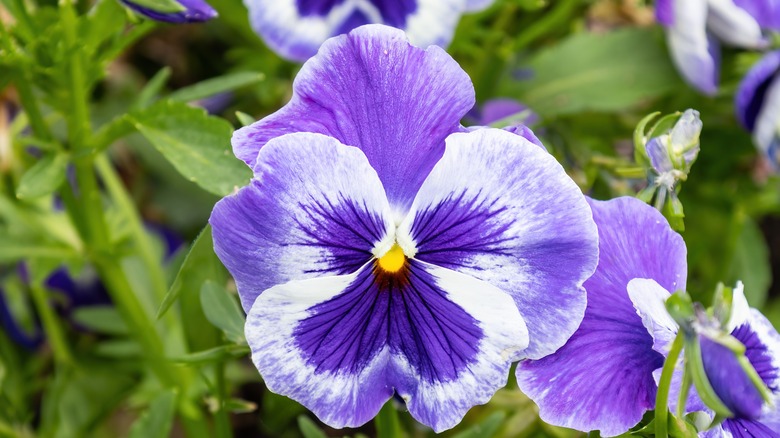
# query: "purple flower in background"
517,115
695,27
397,265
295,29
752,417
758,105
193,11
602,379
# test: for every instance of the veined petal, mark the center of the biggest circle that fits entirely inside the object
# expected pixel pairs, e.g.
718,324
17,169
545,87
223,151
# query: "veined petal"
734,25
753,89
602,378
342,345
373,90
314,208
692,51
501,209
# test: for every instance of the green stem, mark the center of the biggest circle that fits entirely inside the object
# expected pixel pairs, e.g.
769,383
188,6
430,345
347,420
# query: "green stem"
51,325
662,398
541,27
685,389
142,239
222,417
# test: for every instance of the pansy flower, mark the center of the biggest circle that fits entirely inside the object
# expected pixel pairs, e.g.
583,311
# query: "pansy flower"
758,105
695,27
295,29
602,379
373,260
751,416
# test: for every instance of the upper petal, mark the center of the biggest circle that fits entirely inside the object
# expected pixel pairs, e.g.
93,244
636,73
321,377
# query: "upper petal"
373,90
692,51
602,378
314,208
503,210
766,12
342,345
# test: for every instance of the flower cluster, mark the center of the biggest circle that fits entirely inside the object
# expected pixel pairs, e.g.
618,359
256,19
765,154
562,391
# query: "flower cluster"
383,249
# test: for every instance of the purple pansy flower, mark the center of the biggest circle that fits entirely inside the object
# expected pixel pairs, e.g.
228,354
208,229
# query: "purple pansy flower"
396,265
695,27
194,11
758,105
752,417
295,29
602,379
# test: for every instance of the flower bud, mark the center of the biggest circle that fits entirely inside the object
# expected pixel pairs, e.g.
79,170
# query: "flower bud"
179,11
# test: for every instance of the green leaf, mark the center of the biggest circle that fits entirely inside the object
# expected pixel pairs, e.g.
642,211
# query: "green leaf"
164,6
486,428
217,85
213,355
197,145
100,319
157,421
44,178
153,88
15,249
222,310
309,429
596,72
200,265
244,118
751,264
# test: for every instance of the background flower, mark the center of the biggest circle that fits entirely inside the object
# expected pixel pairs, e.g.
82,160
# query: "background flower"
193,11
757,105
295,29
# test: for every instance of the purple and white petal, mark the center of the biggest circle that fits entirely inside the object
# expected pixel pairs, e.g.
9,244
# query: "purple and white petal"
766,12
373,90
501,209
440,381
691,49
649,298
295,29
314,208
752,91
342,345
767,128
602,378
733,25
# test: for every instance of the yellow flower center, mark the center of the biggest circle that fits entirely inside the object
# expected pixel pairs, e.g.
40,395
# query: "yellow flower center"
393,260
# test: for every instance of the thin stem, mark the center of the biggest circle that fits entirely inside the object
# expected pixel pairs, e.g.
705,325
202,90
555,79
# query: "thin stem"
142,239
662,397
685,389
51,325
222,418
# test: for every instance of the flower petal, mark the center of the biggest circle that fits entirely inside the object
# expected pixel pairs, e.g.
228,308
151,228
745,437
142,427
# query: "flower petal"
478,5
692,51
315,208
503,210
602,378
766,12
373,90
733,25
766,130
195,11
649,299
753,89
341,345
664,12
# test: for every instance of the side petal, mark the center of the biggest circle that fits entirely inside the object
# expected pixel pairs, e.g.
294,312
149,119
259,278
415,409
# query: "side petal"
602,378
454,339
753,89
314,208
692,51
501,209
734,25
341,345
373,90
